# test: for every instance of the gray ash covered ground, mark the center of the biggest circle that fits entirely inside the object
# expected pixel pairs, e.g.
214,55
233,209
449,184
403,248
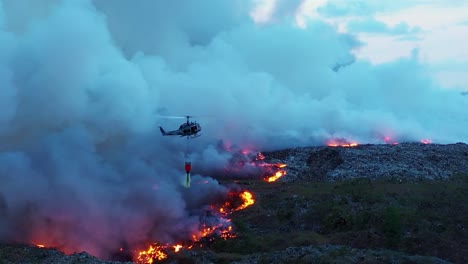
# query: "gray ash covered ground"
406,161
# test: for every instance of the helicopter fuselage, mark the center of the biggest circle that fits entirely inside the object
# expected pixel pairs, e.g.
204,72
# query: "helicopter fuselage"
187,129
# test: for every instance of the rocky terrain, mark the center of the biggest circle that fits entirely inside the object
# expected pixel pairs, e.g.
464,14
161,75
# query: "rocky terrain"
24,254
407,161
402,203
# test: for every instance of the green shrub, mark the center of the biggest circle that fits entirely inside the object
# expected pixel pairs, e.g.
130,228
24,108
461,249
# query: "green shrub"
339,219
245,244
285,215
240,225
392,227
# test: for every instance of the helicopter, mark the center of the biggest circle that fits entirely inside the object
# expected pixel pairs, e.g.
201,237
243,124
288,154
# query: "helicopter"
189,129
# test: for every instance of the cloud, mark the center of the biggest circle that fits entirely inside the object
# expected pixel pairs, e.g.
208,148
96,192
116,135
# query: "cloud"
83,84
267,11
371,25
343,8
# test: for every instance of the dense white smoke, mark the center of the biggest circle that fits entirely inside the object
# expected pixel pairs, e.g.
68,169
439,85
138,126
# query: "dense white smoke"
83,85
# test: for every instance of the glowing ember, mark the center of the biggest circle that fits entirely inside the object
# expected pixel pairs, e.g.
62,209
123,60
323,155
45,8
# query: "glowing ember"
225,234
341,143
40,246
260,156
177,248
426,141
207,233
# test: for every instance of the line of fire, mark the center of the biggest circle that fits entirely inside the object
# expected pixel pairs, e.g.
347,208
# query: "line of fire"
219,226
342,142
243,161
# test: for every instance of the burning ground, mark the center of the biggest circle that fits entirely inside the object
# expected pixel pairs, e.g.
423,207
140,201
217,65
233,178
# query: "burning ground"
313,216
191,218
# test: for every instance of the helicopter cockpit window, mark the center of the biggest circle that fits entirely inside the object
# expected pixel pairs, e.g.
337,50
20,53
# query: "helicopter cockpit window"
194,129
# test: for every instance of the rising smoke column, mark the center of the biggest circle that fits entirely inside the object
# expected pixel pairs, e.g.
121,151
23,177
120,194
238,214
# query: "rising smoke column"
81,166
276,82
82,84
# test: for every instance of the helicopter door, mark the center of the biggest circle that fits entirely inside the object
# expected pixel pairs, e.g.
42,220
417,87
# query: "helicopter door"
194,129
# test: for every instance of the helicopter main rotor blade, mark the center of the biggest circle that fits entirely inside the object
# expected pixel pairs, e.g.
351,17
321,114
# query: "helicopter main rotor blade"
172,117
179,117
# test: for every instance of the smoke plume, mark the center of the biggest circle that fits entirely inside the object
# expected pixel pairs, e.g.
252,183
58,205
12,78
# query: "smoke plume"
83,86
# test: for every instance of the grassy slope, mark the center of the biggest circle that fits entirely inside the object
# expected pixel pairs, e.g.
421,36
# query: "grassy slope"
422,218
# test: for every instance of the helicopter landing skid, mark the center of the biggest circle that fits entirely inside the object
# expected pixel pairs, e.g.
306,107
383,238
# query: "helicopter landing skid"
194,136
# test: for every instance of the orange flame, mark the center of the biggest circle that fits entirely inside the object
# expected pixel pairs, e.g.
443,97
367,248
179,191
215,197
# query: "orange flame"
275,177
341,143
426,141
156,252
153,252
248,199
40,246
389,140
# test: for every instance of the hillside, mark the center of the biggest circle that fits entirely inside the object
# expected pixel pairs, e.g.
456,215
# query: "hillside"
404,203
406,161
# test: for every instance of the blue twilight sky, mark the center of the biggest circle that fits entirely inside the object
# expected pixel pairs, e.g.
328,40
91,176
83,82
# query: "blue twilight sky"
393,29
83,85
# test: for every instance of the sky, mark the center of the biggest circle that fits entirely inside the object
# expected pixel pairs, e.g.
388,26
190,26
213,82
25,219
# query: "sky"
84,85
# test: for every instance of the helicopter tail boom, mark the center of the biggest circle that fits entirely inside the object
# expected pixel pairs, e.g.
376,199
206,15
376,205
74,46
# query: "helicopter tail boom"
169,133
